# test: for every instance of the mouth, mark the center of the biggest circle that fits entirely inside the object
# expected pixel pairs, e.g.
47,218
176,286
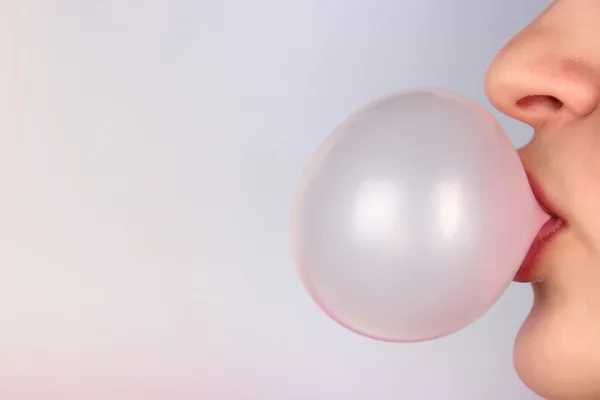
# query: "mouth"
528,272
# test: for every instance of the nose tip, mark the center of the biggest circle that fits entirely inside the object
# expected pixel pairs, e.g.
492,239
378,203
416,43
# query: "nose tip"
535,90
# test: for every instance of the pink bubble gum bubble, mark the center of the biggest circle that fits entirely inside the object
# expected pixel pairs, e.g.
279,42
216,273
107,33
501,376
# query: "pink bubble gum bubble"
413,217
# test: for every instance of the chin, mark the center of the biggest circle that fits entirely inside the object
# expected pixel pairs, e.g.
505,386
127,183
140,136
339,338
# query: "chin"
557,350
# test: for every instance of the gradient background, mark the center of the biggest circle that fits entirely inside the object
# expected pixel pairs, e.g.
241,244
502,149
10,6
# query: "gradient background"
149,151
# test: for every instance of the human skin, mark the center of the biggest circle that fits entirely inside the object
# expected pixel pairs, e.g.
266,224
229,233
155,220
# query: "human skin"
548,76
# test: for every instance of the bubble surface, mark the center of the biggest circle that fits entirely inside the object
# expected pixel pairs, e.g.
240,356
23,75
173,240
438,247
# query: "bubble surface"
413,217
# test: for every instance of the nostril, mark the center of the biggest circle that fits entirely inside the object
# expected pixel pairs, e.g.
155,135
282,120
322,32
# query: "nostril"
540,101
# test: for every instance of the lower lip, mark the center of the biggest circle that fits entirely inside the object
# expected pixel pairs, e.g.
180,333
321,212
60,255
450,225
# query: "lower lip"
528,270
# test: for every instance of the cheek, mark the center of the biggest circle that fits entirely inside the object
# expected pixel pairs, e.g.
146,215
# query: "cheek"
557,351
572,166
584,194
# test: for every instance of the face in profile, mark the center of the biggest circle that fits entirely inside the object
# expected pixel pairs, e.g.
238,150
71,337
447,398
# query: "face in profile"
548,76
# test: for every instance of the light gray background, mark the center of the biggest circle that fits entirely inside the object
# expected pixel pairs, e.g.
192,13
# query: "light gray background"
149,152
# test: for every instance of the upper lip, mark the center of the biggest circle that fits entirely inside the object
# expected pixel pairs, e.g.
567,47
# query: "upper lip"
528,270
542,198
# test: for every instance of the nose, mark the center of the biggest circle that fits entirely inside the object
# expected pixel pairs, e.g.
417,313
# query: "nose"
532,82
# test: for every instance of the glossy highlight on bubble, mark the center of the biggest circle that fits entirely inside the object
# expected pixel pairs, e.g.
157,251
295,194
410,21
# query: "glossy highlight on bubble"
413,217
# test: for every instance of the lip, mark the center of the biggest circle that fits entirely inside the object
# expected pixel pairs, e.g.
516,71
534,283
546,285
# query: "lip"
528,272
